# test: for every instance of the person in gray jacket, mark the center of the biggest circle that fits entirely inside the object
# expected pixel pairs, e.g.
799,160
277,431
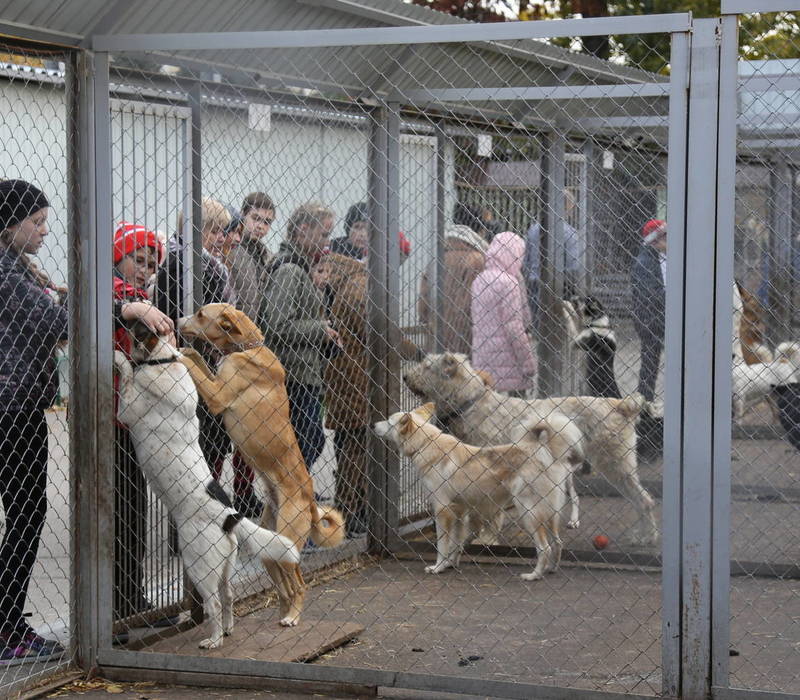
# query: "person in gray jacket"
293,321
248,263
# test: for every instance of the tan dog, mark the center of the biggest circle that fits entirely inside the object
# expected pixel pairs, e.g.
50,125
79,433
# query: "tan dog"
470,485
470,410
249,391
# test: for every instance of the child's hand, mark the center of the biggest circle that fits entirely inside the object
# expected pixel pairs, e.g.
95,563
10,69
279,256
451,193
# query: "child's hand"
154,319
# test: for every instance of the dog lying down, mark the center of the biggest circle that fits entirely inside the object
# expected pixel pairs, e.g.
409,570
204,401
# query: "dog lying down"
158,403
470,485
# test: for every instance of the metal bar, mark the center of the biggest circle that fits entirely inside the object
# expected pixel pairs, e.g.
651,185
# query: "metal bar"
441,223
361,676
779,322
698,362
765,82
723,336
622,122
673,349
721,693
107,20
28,32
733,7
551,267
550,92
196,247
377,302
84,494
392,358
439,34
104,345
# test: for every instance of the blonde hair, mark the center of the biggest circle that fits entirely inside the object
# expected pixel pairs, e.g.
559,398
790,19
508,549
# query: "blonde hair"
309,214
214,215
39,275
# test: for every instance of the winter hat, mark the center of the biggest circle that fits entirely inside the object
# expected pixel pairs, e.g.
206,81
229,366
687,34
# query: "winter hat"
358,212
128,238
405,244
18,201
653,229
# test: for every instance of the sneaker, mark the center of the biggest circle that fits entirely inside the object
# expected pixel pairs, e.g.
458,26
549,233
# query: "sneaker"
13,652
39,646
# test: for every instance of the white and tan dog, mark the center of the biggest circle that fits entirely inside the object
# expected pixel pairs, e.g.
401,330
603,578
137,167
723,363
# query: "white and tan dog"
158,403
753,383
471,410
470,485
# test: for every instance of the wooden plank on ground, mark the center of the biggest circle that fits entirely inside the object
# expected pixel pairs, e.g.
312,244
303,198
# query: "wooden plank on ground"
258,636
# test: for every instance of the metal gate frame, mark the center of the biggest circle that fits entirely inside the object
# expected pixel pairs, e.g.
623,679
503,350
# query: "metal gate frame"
695,550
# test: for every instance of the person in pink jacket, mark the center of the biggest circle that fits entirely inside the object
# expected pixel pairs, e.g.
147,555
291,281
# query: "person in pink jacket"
501,318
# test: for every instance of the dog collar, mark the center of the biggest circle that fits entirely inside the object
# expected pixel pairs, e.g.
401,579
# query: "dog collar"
161,361
441,420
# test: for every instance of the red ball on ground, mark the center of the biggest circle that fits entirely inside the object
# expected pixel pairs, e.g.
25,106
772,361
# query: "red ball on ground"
600,541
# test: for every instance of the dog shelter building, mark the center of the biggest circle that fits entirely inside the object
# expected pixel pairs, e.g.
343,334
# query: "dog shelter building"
137,110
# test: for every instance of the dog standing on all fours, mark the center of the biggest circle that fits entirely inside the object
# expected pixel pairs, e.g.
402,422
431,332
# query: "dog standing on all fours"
754,383
469,486
158,403
470,410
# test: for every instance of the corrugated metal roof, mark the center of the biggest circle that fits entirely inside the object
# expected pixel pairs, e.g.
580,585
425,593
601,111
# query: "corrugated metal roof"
354,70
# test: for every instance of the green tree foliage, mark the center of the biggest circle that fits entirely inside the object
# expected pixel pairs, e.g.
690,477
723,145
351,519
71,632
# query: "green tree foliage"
761,36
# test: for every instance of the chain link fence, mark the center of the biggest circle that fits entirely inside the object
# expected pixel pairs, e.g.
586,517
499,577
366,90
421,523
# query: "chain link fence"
35,467
420,294
764,462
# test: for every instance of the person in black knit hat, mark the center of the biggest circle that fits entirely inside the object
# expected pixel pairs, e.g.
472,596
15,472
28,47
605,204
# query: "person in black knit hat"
32,323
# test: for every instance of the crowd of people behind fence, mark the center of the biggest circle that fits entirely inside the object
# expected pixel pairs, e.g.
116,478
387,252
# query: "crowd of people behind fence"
310,302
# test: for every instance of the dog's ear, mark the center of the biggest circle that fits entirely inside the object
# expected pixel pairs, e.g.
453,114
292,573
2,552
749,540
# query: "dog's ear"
486,378
405,424
143,336
227,323
426,410
450,365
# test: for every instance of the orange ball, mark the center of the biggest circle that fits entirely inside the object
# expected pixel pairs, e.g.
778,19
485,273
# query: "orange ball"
600,541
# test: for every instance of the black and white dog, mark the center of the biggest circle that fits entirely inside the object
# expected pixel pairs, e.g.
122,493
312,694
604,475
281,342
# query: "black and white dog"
589,328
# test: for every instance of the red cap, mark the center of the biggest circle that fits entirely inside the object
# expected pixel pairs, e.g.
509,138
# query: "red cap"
405,244
128,238
652,229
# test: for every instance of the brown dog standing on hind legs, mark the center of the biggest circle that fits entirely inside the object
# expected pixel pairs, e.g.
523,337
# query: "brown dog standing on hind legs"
249,391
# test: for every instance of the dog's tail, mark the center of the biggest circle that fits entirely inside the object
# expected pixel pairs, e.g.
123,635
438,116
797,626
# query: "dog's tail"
561,436
264,544
327,526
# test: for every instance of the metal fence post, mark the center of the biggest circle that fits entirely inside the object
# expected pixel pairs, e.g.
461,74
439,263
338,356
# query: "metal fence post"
441,217
779,320
551,267
673,429
377,450
721,466
698,360
392,309
84,467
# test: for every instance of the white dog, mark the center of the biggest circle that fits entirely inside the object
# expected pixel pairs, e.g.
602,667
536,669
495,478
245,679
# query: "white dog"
158,403
753,383
470,485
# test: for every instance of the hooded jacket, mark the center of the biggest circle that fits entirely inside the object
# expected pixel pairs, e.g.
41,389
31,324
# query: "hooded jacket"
463,259
501,318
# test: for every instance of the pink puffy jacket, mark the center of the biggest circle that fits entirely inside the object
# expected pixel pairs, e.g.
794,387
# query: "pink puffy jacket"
500,317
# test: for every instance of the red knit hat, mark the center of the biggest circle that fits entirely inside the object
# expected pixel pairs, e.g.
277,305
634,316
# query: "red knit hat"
405,244
653,229
128,238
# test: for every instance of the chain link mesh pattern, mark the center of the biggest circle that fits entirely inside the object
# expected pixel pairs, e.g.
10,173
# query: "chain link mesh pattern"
533,318
35,470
